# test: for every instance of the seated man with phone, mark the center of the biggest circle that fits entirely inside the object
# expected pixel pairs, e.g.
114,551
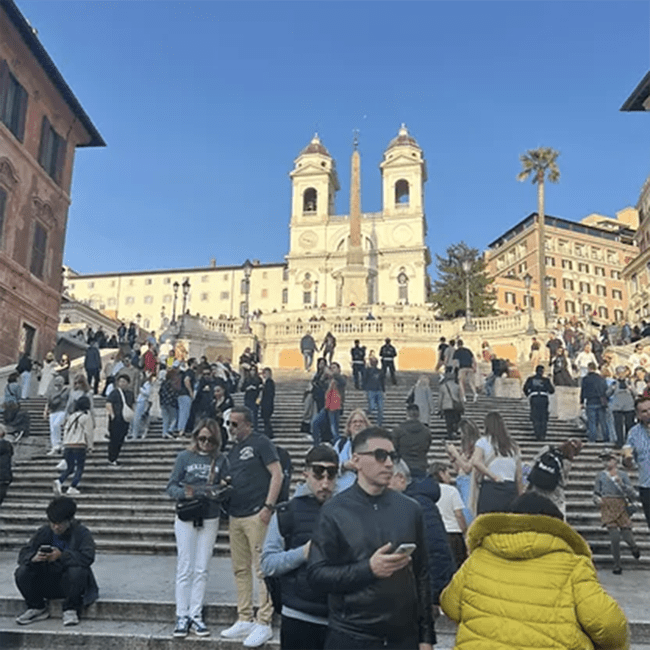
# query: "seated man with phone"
368,552
56,564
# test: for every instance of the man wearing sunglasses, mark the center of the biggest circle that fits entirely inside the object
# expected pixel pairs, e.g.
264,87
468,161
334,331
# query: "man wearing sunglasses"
304,611
378,597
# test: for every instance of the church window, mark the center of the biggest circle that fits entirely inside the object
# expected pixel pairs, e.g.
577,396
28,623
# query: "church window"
402,192
306,297
285,296
285,273
310,200
403,286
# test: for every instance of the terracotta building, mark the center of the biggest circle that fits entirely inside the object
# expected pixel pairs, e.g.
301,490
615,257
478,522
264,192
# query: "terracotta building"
41,124
584,264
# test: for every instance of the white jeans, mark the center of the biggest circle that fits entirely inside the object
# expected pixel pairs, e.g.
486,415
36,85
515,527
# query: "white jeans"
56,420
195,546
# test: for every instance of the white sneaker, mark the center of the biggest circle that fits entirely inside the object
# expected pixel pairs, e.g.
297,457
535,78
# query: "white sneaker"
56,487
239,630
70,617
52,452
72,490
258,636
475,396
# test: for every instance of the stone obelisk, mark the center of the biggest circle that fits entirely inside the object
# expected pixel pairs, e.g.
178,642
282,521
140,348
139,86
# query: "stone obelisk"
355,275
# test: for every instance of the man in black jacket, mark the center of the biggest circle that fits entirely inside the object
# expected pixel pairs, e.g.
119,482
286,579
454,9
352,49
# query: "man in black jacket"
387,354
358,354
538,388
56,564
378,598
286,547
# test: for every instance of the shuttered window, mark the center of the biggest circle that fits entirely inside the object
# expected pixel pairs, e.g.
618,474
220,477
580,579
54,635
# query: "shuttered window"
51,153
13,102
3,204
39,248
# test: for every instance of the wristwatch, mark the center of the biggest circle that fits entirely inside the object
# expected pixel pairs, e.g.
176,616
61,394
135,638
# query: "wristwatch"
269,506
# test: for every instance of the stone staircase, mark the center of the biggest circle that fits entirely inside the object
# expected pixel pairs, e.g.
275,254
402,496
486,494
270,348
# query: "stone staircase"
128,511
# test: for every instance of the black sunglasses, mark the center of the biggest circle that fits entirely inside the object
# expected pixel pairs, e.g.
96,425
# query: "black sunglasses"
380,455
205,439
319,471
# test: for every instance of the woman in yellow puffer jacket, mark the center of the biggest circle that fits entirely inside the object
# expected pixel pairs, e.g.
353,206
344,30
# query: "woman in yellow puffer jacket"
530,583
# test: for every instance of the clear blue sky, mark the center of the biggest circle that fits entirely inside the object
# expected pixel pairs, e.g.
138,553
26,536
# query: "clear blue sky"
194,98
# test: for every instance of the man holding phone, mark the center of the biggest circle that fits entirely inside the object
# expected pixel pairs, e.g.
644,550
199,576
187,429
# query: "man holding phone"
368,553
56,564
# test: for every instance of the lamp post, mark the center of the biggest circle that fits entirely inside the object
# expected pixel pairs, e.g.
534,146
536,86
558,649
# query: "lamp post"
175,287
467,268
186,290
547,306
531,326
248,269
138,318
315,294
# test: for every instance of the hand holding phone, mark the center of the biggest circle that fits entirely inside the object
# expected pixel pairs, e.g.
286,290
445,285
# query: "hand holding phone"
45,549
405,549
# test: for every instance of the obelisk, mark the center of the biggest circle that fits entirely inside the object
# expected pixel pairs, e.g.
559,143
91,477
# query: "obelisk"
355,275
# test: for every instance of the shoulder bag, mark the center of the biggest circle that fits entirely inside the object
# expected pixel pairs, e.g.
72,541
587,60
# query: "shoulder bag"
127,411
196,508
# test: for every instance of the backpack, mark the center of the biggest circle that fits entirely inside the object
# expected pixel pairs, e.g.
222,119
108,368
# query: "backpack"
287,471
546,473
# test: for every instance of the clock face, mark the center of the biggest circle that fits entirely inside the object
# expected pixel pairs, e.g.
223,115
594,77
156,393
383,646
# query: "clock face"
308,239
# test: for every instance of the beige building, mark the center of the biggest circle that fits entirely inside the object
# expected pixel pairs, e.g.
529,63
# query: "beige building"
391,264
584,264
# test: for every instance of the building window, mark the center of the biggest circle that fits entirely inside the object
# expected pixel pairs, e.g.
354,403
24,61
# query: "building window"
51,153
148,300
310,200
635,283
3,204
39,248
529,301
131,282
91,285
567,264
580,251
403,286
112,302
585,287
205,297
285,273
285,296
265,275
570,307
129,300
615,275
306,297
567,284
205,278
550,261
167,298
583,268
618,315
402,192
523,267
603,312
224,295
13,102
167,280
148,280
113,283
612,258
617,294
225,277
510,298
552,282
265,293
599,270
601,290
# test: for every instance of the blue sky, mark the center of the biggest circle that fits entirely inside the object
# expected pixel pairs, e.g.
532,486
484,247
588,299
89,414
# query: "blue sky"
196,98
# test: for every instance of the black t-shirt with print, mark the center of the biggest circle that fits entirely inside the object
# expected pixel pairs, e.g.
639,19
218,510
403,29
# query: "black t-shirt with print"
250,477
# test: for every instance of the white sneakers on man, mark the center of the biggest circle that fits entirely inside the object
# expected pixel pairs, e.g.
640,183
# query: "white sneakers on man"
259,635
239,630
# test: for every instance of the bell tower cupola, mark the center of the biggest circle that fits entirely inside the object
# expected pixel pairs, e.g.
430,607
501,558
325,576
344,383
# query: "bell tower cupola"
314,184
403,172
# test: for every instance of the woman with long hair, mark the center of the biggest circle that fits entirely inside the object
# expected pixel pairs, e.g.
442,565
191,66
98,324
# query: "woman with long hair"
80,388
461,460
199,470
357,421
497,466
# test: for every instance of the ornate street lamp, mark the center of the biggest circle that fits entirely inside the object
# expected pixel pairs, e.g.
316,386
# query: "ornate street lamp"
315,294
175,287
531,326
248,270
469,326
186,290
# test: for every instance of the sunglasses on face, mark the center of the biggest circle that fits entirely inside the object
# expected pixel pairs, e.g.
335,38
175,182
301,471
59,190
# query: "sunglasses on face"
207,441
320,470
381,455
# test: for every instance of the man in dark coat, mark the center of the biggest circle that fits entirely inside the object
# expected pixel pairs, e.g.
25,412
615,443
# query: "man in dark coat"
56,564
538,388
93,365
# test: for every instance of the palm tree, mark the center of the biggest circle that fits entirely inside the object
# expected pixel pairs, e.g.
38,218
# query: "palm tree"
540,164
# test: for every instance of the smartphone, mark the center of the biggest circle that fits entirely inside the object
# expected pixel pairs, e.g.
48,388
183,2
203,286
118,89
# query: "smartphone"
405,549
45,548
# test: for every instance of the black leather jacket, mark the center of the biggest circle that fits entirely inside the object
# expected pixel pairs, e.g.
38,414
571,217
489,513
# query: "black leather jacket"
351,527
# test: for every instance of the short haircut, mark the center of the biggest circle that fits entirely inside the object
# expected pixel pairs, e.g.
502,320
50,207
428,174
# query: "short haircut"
82,404
591,366
14,376
61,509
321,454
401,467
459,342
539,370
124,377
245,411
413,409
532,503
436,469
267,369
640,400
362,438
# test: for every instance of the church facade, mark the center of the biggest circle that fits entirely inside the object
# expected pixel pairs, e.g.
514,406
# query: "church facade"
356,259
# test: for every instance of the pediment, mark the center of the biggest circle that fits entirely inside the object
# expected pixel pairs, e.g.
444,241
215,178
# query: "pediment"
43,212
8,176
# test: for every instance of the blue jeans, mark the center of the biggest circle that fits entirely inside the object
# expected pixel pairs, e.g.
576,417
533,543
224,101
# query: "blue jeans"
184,406
376,402
597,418
317,425
75,457
169,416
138,427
